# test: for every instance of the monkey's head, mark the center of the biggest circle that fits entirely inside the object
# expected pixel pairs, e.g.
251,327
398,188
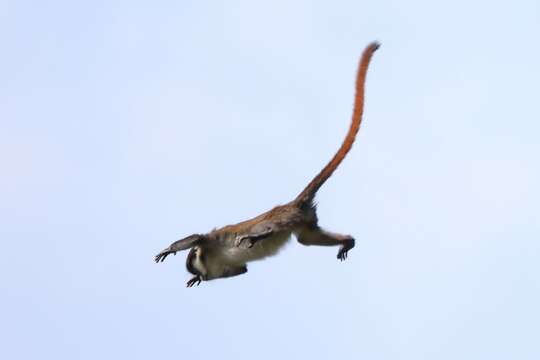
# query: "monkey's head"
195,262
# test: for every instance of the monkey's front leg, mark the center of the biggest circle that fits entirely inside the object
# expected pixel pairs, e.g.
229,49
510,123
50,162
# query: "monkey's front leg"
253,237
179,245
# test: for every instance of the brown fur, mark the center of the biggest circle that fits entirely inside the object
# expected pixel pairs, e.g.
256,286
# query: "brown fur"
288,214
309,192
224,252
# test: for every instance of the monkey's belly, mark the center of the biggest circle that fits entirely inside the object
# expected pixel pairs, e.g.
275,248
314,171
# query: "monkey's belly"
263,248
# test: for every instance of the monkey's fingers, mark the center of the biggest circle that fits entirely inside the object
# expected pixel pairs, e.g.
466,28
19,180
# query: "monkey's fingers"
162,255
239,239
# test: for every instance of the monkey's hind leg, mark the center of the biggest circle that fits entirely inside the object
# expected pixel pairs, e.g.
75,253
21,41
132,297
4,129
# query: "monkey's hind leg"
235,271
194,280
320,237
229,272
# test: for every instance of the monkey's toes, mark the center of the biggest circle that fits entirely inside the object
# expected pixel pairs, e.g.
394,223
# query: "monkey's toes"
342,254
194,280
344,250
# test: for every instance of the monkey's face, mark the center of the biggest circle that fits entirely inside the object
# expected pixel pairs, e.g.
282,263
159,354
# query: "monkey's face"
195,261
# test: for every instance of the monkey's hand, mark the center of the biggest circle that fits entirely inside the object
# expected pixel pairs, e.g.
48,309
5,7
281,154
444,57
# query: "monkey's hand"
241,238
252,238
344,249
162,255
196,279
182,244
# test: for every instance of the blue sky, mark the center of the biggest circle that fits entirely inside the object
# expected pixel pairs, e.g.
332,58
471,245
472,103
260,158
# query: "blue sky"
125,125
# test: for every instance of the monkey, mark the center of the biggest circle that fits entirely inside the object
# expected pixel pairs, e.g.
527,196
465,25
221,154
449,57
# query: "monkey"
225,252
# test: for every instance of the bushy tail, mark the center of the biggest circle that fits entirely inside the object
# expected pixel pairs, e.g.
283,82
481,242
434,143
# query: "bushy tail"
307,195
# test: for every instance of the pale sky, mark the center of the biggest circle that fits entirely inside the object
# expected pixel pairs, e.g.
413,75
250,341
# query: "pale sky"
126,125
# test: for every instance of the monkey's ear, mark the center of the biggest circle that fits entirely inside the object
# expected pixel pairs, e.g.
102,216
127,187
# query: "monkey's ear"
183,244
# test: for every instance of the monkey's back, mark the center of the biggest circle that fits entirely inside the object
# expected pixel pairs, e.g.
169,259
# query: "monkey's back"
283,220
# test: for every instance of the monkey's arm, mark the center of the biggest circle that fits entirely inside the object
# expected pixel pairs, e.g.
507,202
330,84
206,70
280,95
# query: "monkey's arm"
258,233
179,245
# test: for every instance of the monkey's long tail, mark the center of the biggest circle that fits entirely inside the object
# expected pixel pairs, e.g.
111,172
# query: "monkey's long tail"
307,195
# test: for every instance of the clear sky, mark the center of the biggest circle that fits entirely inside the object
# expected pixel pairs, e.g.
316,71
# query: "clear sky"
126,125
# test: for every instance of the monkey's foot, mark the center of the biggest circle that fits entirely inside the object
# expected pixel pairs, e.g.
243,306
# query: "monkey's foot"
162,255
193,280
344,249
